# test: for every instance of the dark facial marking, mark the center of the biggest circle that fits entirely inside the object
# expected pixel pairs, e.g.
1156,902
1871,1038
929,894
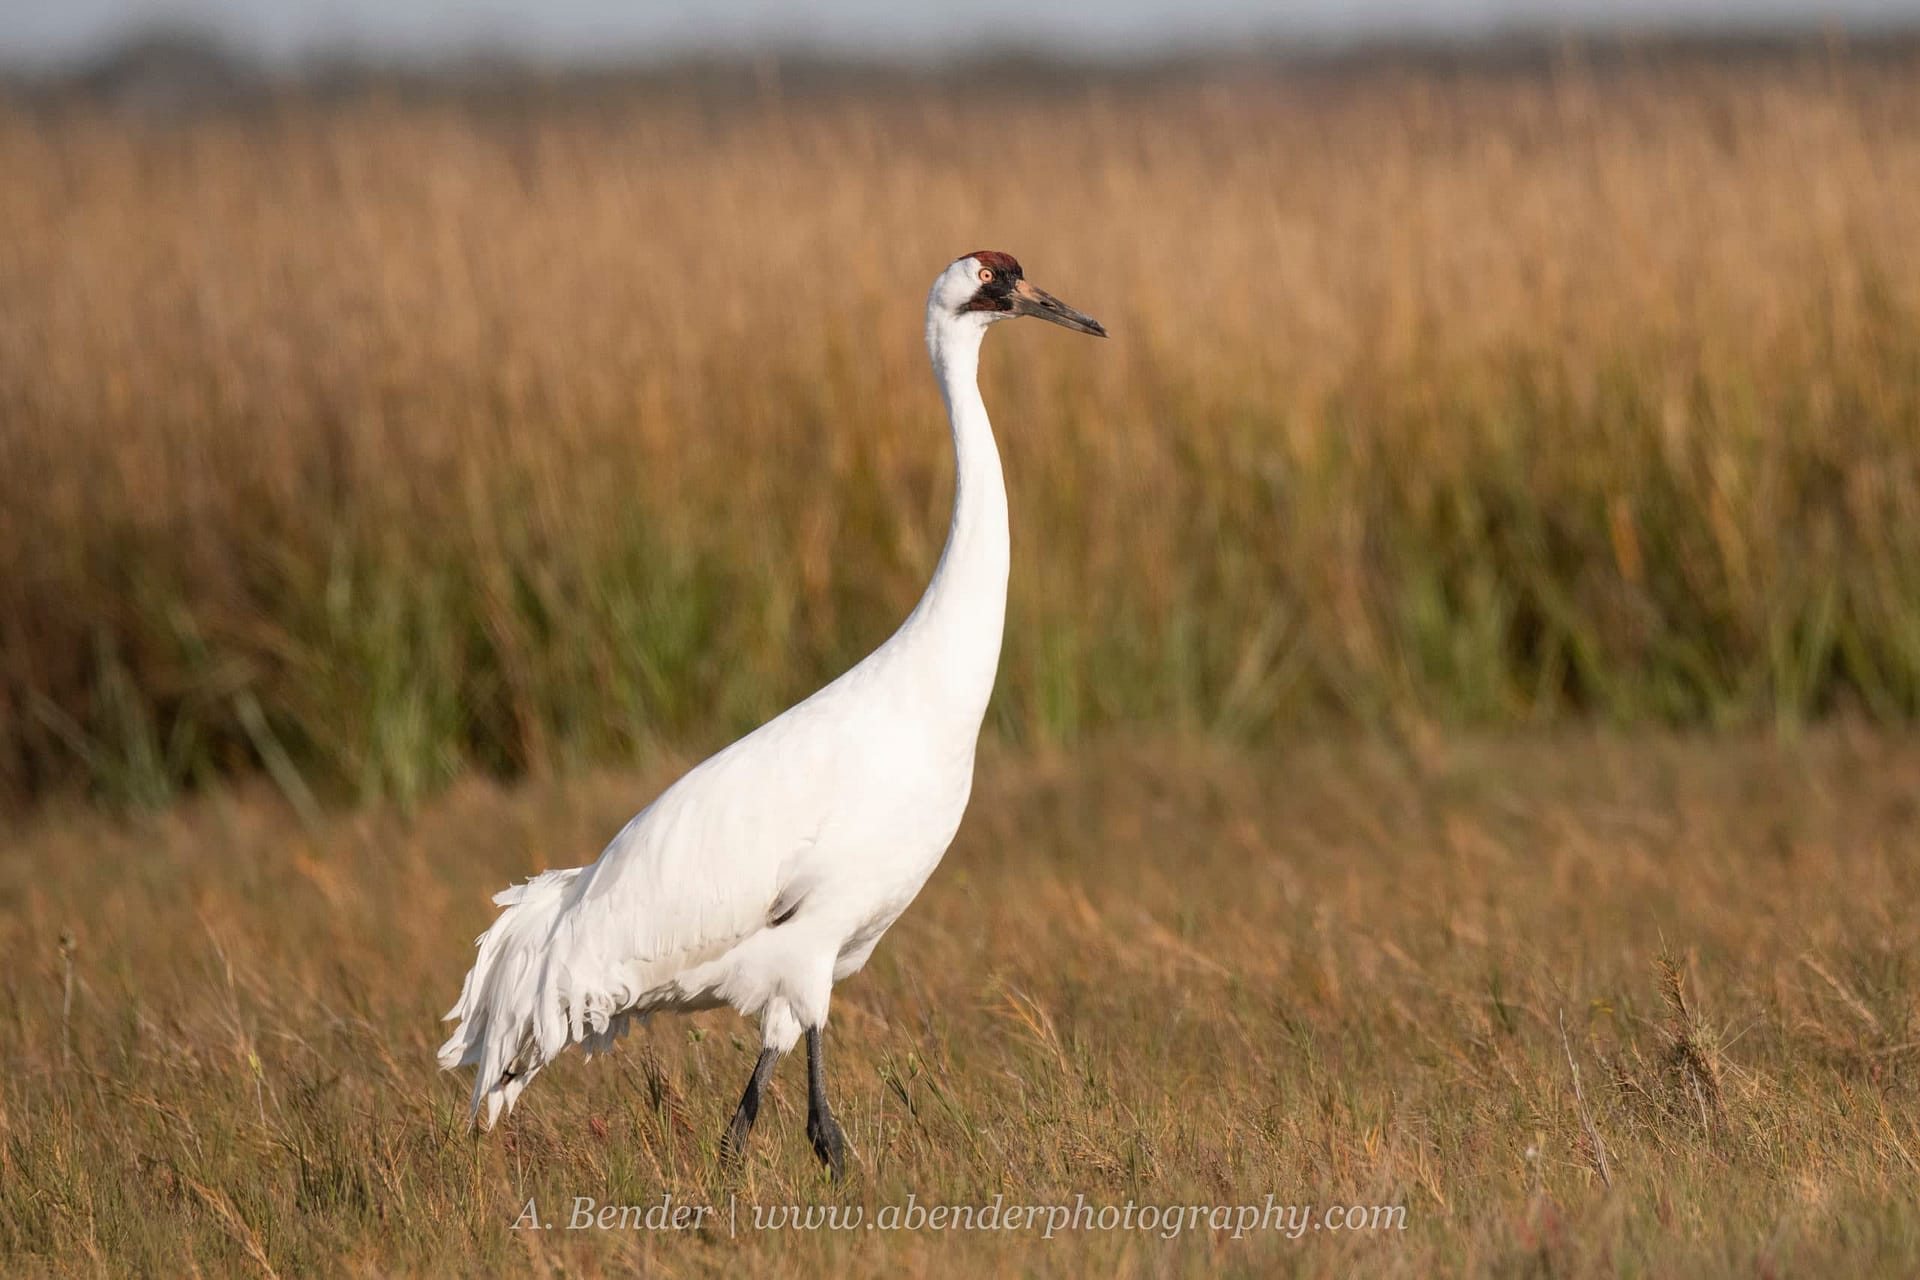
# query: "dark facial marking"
995,293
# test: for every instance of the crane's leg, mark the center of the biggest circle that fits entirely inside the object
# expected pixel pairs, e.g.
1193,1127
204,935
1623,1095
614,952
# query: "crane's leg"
828,1142
733,1143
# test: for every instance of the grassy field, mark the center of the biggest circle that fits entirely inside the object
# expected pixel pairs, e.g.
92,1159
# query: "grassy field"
1154,970
1453,749
382,438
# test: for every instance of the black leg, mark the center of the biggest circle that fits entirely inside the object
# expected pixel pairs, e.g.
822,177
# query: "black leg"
828,1142
733,1143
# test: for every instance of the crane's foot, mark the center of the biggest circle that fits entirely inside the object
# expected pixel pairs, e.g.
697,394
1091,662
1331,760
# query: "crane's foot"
829,1143
733,1143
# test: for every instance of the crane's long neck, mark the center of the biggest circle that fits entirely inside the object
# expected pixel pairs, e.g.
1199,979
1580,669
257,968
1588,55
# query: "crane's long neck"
955,631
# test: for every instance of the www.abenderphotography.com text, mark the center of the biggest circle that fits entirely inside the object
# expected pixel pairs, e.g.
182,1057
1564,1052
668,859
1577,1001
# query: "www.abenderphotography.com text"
1237,1221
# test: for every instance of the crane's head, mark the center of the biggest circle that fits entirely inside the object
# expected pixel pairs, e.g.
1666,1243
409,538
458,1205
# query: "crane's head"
987,286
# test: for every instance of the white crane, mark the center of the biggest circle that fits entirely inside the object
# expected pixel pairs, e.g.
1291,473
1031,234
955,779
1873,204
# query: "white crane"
768,872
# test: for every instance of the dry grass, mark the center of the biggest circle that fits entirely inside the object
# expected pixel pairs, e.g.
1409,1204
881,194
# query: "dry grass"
379,440
1158,971
372,448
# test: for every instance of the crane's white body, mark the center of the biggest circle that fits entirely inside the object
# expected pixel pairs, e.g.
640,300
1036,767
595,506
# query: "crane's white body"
768,872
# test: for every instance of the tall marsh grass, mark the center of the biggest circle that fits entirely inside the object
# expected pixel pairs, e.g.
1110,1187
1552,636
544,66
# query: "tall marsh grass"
379,439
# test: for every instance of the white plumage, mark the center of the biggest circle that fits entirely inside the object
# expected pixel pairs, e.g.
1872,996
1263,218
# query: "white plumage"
768,872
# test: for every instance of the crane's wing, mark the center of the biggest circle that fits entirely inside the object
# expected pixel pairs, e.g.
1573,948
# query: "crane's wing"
704,867
578,954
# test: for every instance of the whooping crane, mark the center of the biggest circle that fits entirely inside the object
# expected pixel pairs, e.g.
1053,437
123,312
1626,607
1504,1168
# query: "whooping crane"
767,873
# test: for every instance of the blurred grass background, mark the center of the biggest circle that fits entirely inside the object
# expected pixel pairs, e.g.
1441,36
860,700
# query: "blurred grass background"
375,438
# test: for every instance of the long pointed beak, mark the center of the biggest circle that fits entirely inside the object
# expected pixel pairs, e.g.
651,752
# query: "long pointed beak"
1029,301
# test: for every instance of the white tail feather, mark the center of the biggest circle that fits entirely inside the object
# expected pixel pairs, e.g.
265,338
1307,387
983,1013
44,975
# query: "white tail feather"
500,1001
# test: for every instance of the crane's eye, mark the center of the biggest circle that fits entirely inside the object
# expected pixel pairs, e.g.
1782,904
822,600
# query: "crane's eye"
986,274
